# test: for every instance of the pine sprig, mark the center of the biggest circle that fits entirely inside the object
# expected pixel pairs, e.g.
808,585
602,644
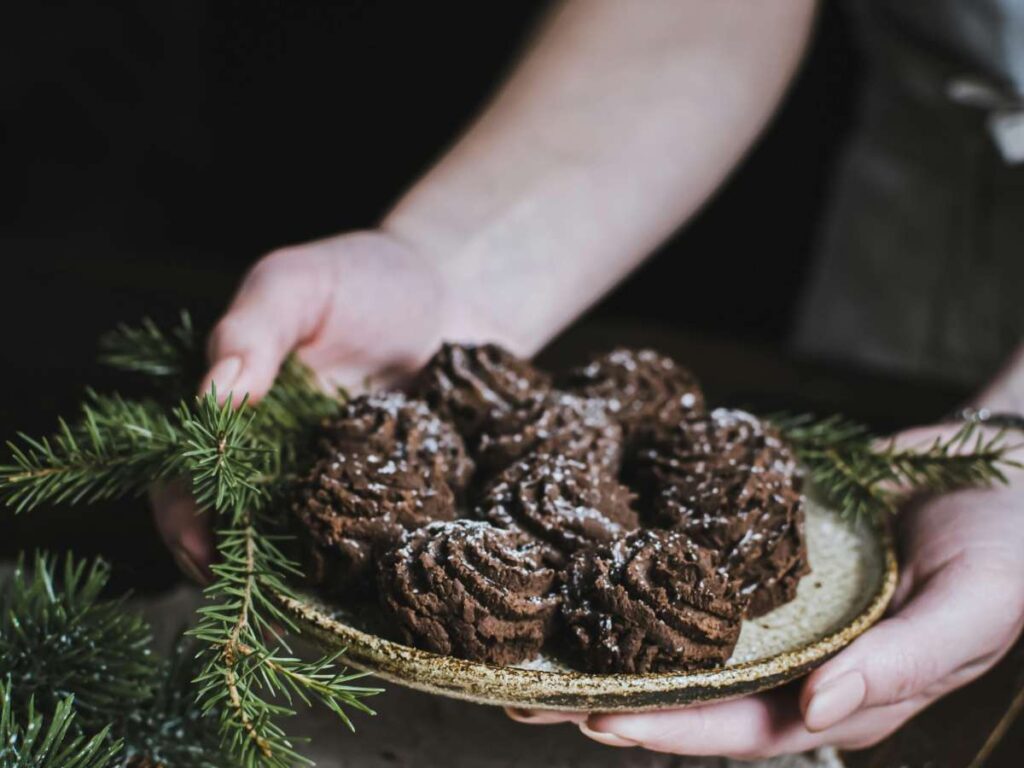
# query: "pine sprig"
239,460
971,457
53,744
116,448
250,680
148,350
171,729
864,477
59,639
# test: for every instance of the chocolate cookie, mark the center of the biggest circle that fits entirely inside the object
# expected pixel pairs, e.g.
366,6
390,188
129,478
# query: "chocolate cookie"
470,590
730,483
391,424
464,383
557,423
561,502
650,601
354,504
643,388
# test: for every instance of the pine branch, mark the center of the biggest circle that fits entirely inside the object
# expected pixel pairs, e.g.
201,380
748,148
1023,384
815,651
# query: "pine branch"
58,745
117,448
238,460
862,478
146,349
969,458
171,729
251,680
59,639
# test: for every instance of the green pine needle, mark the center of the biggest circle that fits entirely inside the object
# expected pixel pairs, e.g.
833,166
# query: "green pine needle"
865,478
171,729
59,639
116,448
239,461
148,350
52,744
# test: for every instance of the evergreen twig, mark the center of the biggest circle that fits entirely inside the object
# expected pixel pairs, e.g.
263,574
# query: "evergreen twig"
239,662
239,460
148,350
59,639
57,745
171,729
864,477
117,448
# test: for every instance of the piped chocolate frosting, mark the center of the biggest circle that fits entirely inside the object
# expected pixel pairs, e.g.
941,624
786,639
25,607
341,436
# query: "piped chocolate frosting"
643,388
467,384
560,501
730,483
556,423
649,601
391,424
470,590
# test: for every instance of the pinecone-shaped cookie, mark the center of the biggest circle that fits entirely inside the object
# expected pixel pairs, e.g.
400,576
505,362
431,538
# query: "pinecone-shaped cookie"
354,504
392,424
561,502
650,601
464,383
557,423
643,389
729,483
470,590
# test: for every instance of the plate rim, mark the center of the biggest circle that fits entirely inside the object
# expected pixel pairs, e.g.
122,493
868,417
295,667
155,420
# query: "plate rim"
572,690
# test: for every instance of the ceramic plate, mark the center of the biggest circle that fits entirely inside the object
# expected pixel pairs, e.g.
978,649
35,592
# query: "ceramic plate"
853,578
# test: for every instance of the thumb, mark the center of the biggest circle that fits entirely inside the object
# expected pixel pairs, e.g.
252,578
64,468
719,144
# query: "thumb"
279,305
943,637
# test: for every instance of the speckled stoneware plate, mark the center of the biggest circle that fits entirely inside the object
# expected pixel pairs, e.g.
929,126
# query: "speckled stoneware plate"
853,578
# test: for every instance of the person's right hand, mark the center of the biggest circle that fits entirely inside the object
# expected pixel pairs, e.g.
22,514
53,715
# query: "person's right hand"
357,307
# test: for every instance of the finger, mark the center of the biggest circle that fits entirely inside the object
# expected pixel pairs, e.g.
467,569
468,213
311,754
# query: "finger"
279,305
544,717
755,725
183,529
947,634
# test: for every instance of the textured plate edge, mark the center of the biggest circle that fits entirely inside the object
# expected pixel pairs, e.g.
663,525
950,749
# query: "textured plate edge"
580,691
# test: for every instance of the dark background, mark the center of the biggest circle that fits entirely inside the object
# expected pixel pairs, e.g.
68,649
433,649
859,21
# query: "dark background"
150,153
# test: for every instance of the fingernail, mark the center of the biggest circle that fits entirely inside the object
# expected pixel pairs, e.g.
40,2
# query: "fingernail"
223,375
835,701
544,717
608,739
188,565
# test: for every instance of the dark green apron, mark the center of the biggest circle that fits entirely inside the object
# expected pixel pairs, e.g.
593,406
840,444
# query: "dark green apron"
920,267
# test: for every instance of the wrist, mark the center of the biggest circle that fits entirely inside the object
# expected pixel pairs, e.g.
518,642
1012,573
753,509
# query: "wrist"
459,300
467,295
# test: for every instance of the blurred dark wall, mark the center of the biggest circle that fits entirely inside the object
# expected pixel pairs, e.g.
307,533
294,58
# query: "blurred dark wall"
151,150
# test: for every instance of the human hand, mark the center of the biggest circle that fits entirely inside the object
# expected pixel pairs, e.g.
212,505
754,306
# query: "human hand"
354,307
958,608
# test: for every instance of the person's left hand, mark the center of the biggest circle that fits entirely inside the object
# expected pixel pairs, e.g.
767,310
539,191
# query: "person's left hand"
958,609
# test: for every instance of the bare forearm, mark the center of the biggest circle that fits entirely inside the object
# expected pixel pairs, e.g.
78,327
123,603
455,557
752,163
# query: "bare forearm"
618,124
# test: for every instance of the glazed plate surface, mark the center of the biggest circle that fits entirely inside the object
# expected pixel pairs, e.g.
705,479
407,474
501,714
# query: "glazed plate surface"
853,578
